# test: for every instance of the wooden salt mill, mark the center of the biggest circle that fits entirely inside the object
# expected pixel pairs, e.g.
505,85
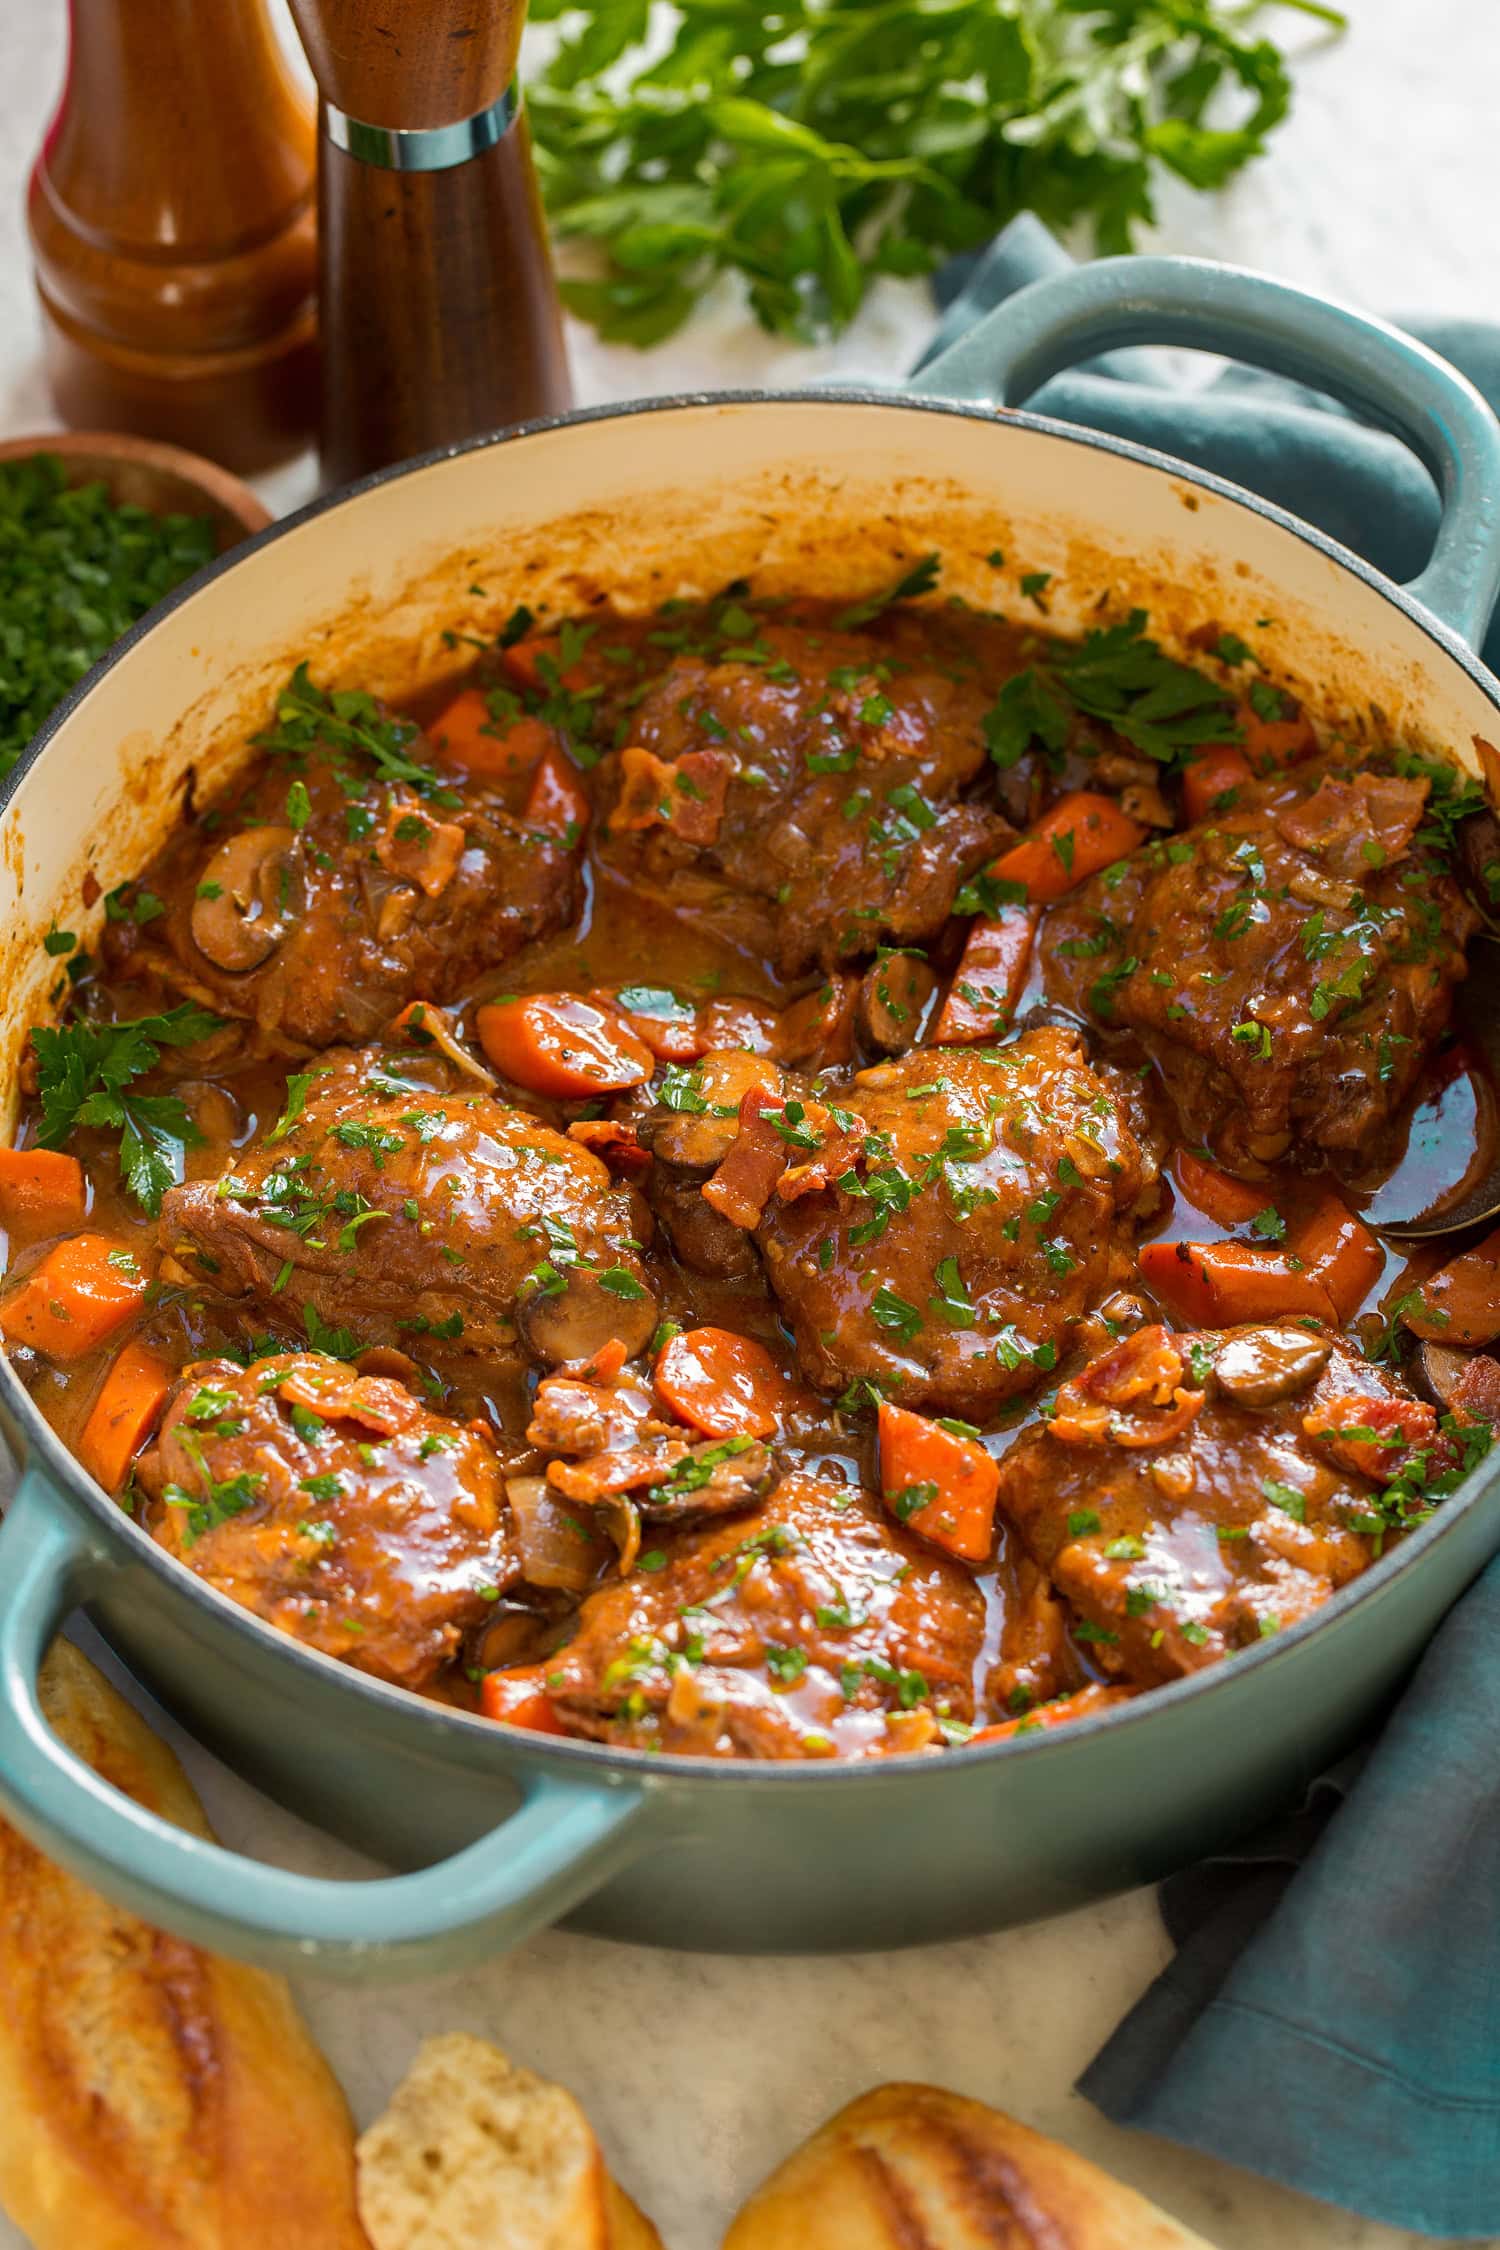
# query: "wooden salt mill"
439,311
171,211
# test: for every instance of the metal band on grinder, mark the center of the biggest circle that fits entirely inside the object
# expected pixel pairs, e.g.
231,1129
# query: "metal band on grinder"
430,148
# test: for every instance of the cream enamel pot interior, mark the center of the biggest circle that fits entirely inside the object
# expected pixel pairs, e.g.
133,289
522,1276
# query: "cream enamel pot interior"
501,1831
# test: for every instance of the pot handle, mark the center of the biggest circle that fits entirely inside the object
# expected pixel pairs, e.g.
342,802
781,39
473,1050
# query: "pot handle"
1051,324
558,1846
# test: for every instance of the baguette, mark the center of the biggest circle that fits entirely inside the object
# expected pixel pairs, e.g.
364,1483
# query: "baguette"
474,2153
151,2097
914,2168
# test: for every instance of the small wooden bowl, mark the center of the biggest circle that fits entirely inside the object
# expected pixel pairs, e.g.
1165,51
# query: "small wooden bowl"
141,473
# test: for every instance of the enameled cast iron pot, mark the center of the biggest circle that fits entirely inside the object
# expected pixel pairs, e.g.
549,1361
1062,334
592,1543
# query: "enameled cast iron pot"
829,492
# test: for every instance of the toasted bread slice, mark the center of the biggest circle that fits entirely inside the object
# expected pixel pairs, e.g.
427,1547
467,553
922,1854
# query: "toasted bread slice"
151,2096
474,2152
914,2168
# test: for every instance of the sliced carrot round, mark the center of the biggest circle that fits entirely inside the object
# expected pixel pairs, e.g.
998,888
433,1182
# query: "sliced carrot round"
560,1044
724,1385
520,1698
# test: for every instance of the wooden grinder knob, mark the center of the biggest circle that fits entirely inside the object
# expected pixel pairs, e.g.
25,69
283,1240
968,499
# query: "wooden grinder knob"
439,312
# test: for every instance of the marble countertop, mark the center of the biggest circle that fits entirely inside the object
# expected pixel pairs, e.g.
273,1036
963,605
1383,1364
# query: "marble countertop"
701,2073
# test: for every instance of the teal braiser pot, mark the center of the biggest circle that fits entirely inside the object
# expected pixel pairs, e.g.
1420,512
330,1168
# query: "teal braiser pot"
495,1832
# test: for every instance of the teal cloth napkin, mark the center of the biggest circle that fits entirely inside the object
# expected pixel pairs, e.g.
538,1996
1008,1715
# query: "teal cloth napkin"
1332,2016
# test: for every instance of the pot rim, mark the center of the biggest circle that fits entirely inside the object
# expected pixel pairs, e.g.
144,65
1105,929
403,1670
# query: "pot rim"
40,1442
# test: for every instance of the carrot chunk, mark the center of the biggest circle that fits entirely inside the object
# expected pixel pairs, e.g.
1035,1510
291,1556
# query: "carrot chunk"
938,1482
1276,740
1460,1303
559,1044
468,738
556,799
520,1698
1219,1284
42,1191
1210,776
124,1414
1080,1705
1342,1252
1080,834
724,1385
76,1298
989,979
1218,1195
533,664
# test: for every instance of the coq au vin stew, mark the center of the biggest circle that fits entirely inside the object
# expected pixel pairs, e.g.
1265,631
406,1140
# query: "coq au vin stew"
773,1179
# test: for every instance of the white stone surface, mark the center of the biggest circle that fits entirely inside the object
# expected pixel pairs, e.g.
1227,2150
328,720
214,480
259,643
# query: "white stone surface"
702,2072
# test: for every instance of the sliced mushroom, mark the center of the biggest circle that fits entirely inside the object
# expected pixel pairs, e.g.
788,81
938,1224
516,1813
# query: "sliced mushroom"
1438,1370
1262,1366
571,1323
699,1135
896,994
247,898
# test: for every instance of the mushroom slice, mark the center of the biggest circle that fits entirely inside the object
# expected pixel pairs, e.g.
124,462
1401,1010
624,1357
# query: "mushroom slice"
1262,1366
571,1323
896,994
247,898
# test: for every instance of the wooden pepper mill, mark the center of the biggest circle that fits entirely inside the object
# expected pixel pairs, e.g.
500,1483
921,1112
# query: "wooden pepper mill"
439,311
171,211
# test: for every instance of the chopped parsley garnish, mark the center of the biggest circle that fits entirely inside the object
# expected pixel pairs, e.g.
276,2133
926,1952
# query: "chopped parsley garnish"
83,1070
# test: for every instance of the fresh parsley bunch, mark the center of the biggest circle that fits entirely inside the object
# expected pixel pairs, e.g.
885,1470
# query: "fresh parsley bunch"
83,1071
811,144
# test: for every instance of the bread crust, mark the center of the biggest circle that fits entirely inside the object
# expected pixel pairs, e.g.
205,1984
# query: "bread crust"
469,2134
916,2168
152,2097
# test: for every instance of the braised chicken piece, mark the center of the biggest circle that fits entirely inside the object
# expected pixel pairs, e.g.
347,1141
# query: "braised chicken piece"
391,1202
1194,1493
942,1224
802,796
814,1628
331,891
335,1506
1286,963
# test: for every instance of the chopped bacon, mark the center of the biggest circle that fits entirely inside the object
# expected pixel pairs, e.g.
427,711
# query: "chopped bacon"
340,1394
621,1468
1374,1436
418,848
742,1185
841,1148
613,1140
686,796
1143,1373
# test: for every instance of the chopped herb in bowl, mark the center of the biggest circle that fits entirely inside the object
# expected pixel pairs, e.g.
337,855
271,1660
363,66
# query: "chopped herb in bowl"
76,571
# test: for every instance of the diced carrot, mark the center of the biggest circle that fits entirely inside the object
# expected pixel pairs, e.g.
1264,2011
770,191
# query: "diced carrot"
1218,1284
938,1483
989,979
124,1414
1340,1249
1218,1195
520,1698
42,1191
1460,1303
83,1290
556,800
561,1044
469,739
1080,834
723,1384
1276,742
1080,1705
524,663
1210,775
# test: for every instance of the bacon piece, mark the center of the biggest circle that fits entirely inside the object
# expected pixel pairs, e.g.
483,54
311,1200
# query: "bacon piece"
743,1183
686,796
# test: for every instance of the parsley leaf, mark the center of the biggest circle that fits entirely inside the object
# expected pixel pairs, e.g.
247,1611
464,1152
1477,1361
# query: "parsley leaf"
83,1069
